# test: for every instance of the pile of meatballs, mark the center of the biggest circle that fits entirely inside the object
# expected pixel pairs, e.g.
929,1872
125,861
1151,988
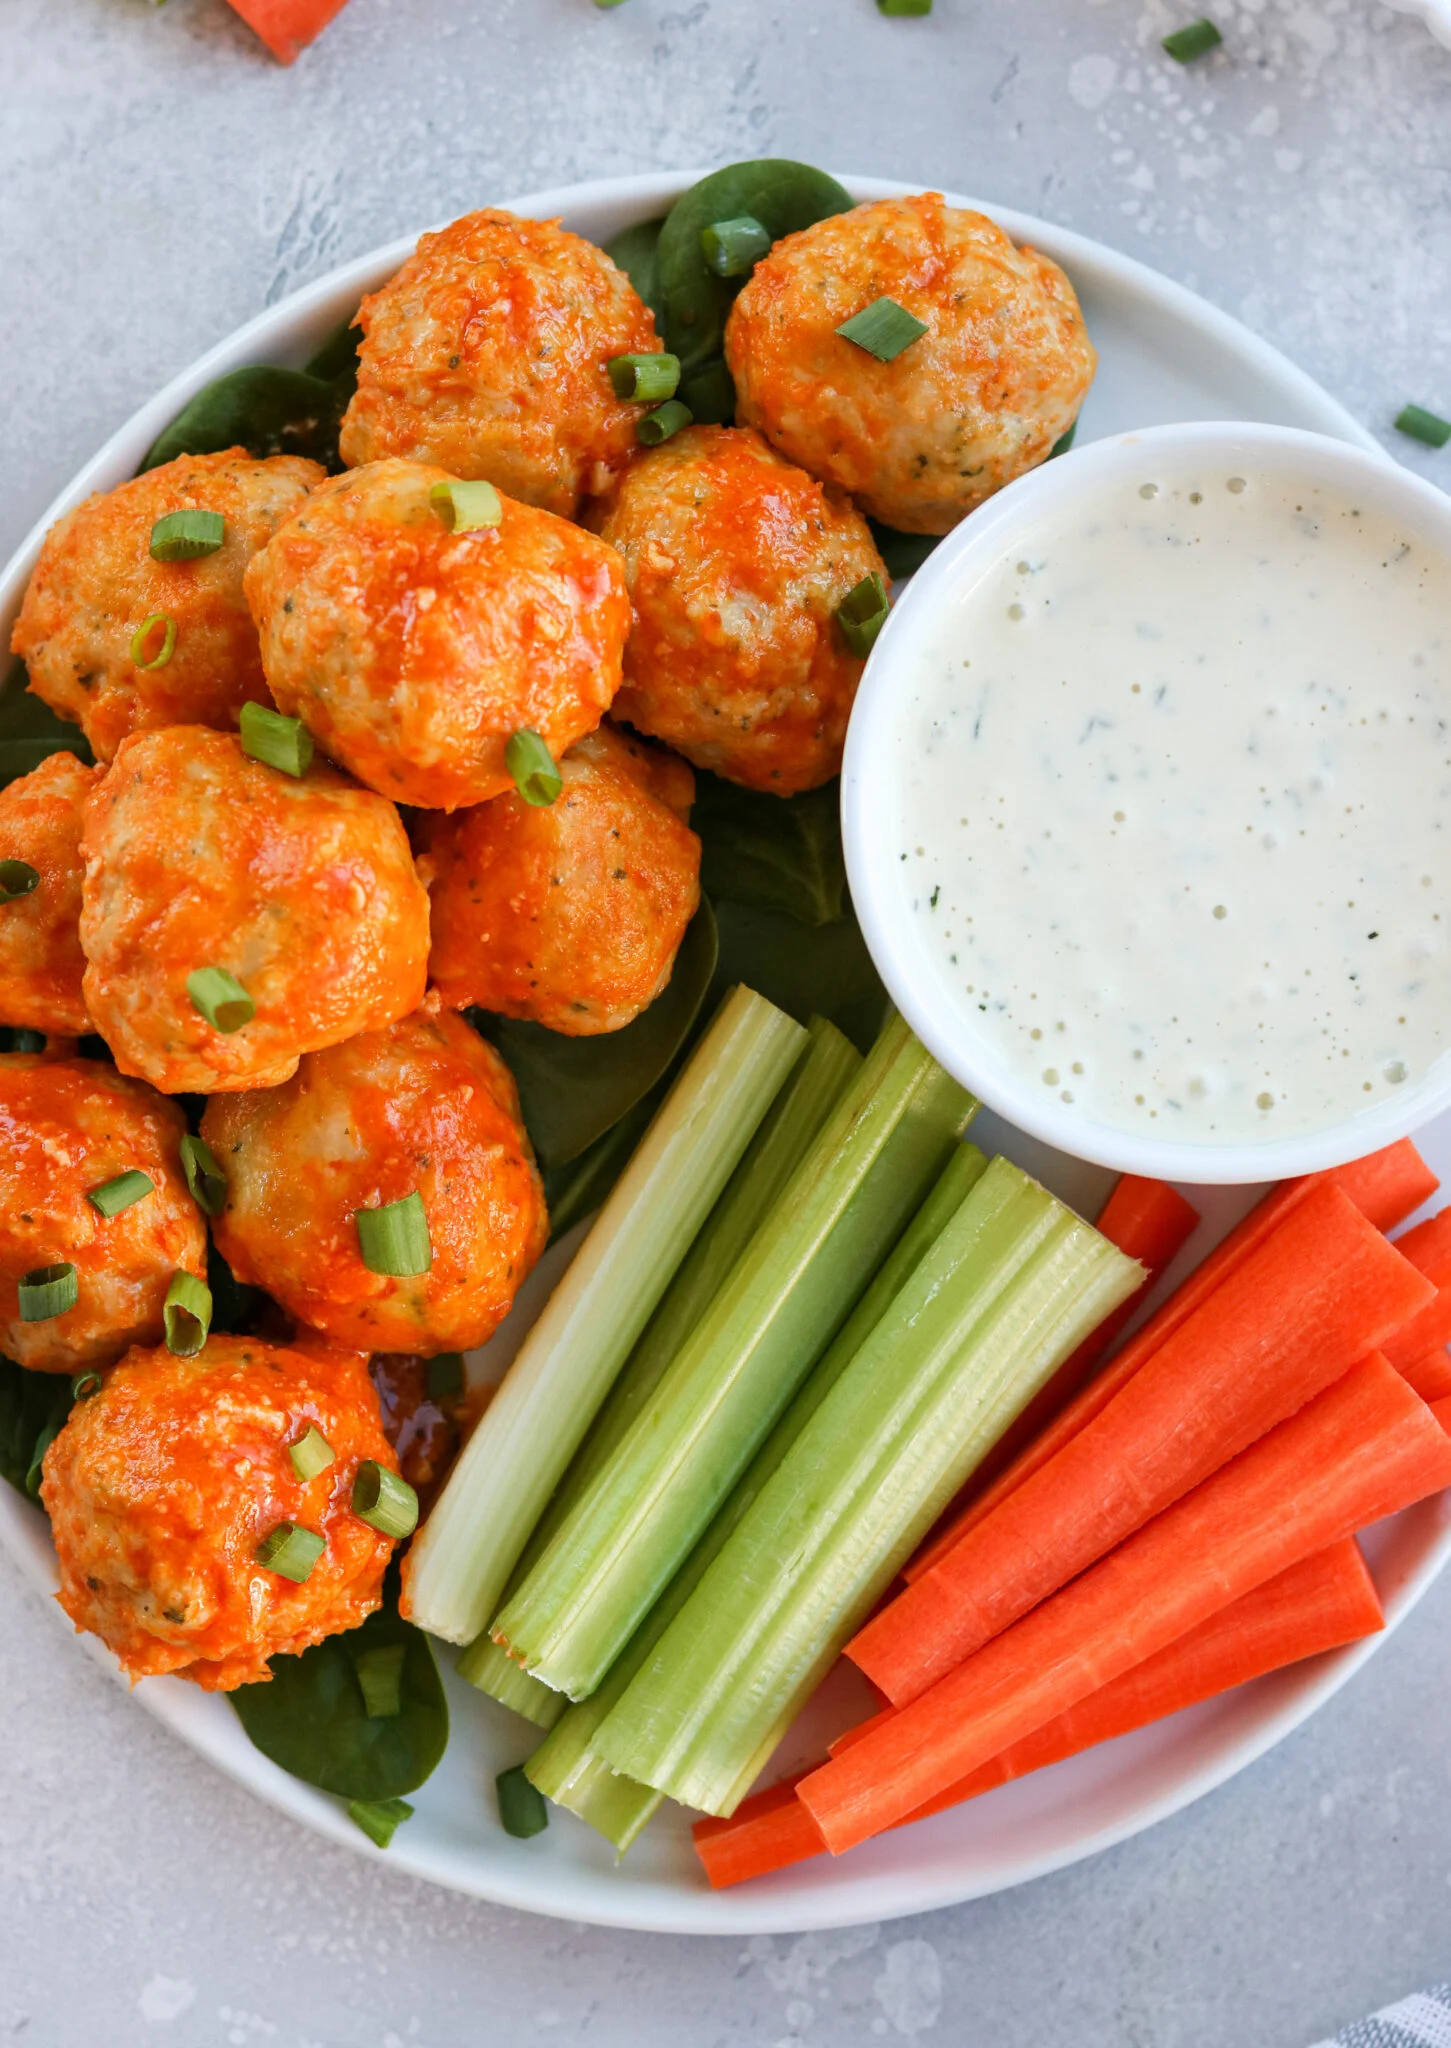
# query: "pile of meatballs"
644,612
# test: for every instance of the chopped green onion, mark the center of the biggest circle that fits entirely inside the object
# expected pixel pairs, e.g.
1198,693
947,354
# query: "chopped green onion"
1064,442
534,769
144,632
1196,40
883,329
393,1239
384,1500
1422,425
186,1314
207,1182
862,614
380,1819
84,1385
658,426
221,998
465,507
522,1811
48,1291
445,1376
904,6
608,3
115,1195
311,1454
283,743
17,1038
733,248
182,536
645,378
291,1551
380,1680
17,878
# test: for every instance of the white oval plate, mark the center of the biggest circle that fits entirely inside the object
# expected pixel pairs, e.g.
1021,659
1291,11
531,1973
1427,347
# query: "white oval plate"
1164,355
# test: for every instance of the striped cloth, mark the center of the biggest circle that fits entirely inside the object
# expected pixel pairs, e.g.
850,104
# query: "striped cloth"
1421,2021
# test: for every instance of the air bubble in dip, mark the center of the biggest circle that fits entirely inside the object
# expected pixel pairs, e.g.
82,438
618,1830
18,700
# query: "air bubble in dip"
1148,490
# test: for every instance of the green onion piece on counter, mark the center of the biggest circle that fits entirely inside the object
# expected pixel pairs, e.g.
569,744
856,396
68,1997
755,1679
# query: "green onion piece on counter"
466,507
904,6
280,742
182,536
1422,425
380,1819
862,614
220,998
534,769
115,1195
522,1812
186,1314
48,1291
393,1240
17,878
645,378
1195,40
85,1385
291,1551
143,634
311,1454
445,1376
205,1179
384,1500
380,1680
733,248
658,426
883,329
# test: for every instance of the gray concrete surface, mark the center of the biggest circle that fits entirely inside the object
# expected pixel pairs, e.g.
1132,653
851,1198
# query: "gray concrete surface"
160,180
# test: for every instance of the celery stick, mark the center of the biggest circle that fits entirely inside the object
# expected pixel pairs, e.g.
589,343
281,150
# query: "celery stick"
460,1561
1012,1285
802,1273
494,1672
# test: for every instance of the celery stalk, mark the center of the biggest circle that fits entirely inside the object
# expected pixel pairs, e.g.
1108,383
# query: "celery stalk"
1011,1286
808,1263
494,1672
459,1563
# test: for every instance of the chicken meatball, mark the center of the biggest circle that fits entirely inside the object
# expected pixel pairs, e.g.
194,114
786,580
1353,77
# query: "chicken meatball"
736,561
572,913
980,397
301,889
96,585
413,653
486,353
41,962
162,1488
67,1127
424,1109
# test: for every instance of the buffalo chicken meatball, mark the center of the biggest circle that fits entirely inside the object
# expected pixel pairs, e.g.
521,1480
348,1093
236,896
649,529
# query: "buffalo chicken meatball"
163,1488
300,889
96,585
487,352
424,1110
569,913
997,378
414,652
41,962
736,562
67,1128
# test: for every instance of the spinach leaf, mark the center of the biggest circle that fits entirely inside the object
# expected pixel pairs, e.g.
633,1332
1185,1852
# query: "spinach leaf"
635,251
235,1305
33,1405
264,410
903,553
781,853
30,730
574,1190
336,361
822,970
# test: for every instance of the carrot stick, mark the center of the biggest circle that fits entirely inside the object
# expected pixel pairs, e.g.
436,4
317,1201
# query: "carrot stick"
1323,1289
1430,1374
1365,1448
1386,1186
1442,1412
766,1832
1428,1247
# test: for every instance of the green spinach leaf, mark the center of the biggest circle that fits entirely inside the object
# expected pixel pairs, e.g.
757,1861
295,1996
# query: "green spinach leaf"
33,1406
30,730
822,970
636,251
903,553
266,411
781,853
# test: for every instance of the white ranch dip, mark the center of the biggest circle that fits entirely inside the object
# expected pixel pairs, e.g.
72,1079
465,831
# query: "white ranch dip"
1174,807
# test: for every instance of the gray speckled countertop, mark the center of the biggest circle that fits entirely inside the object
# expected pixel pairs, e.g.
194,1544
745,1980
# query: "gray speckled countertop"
160,179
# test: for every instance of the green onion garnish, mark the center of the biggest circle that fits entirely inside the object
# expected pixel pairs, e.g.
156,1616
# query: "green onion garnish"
221,998
646,378
394,1239
144,632
380,1680
283,743
384,1500
1185,44
465,507
521,1808
112,1196
186,1314
182,536
862,614
17,878
534,769
445,1376
84,1385
904,6
667,419
207,1182
380,1819
733,248
883,329
1425,426
311,1454
291,1551
48,1291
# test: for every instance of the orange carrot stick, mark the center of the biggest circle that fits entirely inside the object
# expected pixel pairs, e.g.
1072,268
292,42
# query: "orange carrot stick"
1428,1247
1430,1374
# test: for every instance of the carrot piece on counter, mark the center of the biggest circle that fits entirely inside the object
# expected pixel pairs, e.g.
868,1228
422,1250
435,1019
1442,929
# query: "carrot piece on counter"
1366,1447
287,26
1318,1293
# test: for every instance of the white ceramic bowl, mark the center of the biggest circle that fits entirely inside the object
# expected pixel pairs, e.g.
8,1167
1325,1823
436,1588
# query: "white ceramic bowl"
871,810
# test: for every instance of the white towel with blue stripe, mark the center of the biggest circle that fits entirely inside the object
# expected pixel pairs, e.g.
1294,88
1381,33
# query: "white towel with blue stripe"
1421,2021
